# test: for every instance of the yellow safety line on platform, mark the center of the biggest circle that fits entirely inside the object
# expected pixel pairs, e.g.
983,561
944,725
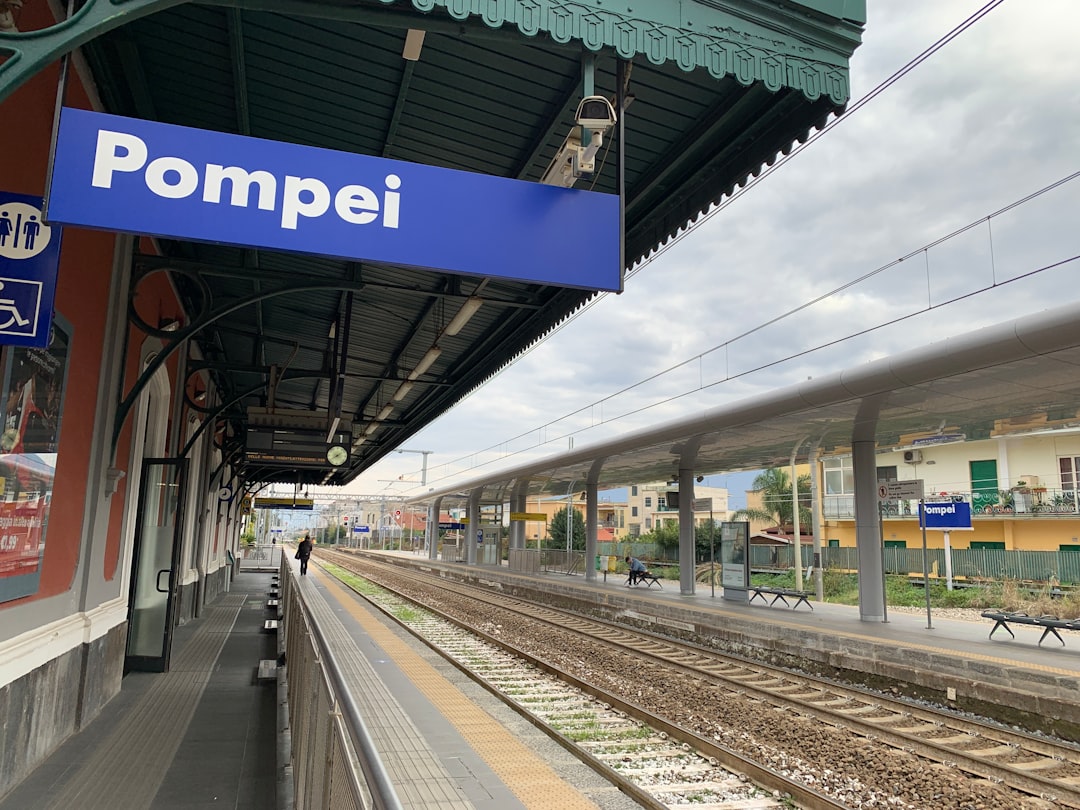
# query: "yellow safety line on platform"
528,777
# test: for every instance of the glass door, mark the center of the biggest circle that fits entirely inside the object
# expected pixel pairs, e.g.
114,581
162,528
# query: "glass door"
155,565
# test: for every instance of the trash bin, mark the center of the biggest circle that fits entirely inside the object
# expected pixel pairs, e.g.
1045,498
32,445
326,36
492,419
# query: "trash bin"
599,558
611,563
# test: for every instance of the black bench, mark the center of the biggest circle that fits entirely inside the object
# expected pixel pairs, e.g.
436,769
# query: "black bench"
781,594
637,577
1050,624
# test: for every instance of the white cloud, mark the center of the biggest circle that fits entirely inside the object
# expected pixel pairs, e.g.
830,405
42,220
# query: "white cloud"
992,117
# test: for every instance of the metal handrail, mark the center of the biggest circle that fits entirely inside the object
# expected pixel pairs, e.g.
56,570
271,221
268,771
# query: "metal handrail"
377,780
382,789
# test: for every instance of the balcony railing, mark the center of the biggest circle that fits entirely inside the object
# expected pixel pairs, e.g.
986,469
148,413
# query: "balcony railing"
1020,502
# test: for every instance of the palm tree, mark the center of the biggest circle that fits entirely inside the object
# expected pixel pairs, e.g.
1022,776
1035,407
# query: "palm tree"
775,488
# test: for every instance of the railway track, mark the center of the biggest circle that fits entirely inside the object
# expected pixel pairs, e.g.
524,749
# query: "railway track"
644,756
1045,771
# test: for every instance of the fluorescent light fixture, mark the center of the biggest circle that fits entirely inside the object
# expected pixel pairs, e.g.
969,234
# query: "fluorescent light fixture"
468,309
371,428
402,390
359,442
425,362
385,412
414,41
333,427
333,330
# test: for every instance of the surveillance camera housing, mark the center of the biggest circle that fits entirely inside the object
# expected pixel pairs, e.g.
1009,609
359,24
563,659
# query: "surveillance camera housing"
595,113
595,116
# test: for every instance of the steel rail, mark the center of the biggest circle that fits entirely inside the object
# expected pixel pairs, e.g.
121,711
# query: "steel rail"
1061,791
761,775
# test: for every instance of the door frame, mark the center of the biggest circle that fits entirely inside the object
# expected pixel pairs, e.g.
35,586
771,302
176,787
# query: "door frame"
159,663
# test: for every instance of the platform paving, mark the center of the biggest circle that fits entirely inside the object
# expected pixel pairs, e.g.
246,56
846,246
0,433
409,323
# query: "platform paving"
202,735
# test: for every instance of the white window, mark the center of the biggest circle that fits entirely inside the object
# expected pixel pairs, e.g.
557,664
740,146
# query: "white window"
839,476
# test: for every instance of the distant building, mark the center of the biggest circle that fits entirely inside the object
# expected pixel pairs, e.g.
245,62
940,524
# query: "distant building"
649,506
1022,482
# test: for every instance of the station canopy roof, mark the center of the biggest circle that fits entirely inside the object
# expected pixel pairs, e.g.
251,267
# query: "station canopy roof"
719,88
1018,378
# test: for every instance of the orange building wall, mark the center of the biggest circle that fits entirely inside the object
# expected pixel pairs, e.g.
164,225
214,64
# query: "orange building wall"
82,298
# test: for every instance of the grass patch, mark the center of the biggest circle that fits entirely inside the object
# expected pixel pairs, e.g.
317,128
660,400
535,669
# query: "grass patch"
357,583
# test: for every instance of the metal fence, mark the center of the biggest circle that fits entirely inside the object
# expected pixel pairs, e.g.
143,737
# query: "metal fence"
334,762
260,557
972,563
643,551
559,561
976,563
1022,502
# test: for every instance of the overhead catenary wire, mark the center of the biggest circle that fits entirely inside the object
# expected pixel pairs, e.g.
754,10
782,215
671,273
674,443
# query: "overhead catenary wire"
887,83
994,285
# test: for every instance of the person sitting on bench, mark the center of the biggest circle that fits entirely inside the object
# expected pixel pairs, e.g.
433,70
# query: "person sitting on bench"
637,570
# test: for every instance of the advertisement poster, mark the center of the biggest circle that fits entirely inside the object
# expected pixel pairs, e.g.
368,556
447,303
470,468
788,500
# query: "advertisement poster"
733,555
32,397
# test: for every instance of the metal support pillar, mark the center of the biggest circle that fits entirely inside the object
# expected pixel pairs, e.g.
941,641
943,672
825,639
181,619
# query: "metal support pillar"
433,529
867,534
473,525
687,540
796,529
815,506
592,519
518,503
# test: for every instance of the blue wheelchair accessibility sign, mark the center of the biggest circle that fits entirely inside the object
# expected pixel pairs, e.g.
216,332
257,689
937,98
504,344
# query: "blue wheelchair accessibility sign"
29,260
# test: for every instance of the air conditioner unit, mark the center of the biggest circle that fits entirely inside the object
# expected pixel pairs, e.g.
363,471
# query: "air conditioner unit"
912,456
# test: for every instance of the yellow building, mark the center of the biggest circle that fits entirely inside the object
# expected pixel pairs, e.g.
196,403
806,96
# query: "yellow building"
1023,488
611,516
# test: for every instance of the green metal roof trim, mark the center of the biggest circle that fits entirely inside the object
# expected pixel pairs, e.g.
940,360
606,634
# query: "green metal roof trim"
769,44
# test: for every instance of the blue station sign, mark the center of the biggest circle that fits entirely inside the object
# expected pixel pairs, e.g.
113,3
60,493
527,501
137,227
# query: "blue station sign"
29,262
144,177
949,515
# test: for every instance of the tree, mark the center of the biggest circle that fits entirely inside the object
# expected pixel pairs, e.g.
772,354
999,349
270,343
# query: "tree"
775,488
666,535
557,530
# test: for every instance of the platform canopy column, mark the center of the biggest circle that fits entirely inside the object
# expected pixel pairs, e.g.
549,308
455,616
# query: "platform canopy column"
867,532
592,518
518,503
687,538
433,528
815,505
473,525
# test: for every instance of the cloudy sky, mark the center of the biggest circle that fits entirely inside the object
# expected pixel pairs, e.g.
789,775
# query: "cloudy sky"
990,119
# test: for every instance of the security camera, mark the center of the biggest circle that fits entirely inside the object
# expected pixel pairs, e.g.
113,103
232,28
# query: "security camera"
595,113
595,116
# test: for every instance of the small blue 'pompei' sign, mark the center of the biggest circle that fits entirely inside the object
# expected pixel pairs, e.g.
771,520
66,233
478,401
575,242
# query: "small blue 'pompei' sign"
29,262
125,174
948,515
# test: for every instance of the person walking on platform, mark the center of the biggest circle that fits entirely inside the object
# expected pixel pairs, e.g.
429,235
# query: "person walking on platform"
303,552
637,569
